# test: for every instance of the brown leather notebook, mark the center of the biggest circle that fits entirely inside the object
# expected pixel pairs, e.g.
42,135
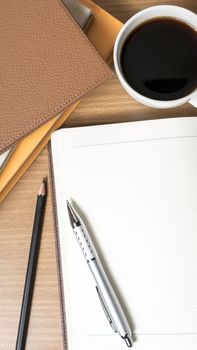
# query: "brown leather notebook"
46,63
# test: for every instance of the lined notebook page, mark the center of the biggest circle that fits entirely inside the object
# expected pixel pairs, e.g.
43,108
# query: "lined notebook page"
135,184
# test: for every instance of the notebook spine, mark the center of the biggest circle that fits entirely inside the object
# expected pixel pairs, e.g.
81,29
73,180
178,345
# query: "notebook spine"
57,249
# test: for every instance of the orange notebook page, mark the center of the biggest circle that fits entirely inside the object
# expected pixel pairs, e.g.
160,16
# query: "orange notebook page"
102,33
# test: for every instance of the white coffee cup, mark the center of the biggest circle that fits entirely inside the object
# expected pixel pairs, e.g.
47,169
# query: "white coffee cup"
175,12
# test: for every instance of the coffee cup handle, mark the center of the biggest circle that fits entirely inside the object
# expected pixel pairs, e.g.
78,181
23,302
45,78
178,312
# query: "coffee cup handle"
193,99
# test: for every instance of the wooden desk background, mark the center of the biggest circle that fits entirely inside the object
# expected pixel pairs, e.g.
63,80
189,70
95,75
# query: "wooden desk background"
108,103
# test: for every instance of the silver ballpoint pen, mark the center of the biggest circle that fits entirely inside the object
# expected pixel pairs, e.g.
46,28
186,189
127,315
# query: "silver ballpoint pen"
107,296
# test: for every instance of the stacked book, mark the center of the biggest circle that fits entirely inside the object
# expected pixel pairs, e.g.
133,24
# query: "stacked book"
43,88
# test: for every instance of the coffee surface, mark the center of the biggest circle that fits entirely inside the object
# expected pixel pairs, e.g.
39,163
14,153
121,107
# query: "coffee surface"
159,59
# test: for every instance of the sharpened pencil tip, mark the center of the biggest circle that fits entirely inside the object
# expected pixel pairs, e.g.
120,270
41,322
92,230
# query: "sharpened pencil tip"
43,187
44,179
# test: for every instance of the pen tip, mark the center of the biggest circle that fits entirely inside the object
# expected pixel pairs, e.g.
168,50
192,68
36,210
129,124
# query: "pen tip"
72,215
70,208
43,187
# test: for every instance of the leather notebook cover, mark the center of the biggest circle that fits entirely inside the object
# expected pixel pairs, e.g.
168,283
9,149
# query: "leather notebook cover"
46,63
103,22
26,150
30,147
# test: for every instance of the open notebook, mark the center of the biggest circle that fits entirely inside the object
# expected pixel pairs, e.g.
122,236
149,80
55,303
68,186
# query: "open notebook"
136,186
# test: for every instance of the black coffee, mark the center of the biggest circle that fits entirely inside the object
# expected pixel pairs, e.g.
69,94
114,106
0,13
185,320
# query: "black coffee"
159,59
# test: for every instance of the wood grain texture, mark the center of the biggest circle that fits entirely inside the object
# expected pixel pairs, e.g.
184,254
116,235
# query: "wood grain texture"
108,103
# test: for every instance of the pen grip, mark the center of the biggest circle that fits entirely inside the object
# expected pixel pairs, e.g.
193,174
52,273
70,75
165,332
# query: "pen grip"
85,243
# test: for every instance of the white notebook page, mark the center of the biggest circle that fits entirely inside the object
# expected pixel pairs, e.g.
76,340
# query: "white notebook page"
135,184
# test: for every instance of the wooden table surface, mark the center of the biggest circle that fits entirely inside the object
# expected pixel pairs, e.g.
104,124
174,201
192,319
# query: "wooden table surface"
108,103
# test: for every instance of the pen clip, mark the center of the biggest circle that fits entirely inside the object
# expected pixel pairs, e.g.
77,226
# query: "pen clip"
106,311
